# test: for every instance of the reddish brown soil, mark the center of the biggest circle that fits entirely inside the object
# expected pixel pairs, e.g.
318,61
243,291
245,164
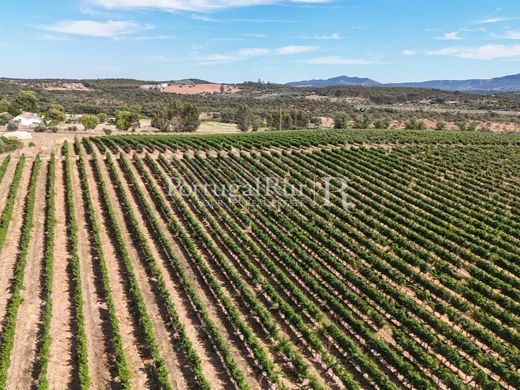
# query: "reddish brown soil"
198,89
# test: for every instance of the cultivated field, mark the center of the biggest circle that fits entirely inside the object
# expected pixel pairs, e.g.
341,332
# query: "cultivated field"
116,273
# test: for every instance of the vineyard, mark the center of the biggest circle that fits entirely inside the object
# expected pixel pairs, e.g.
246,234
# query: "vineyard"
126,263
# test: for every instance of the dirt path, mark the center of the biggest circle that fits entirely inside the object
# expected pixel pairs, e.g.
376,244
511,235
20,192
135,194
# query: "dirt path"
23,354
162,333
60,365
186,316
136,365
92,304
10,248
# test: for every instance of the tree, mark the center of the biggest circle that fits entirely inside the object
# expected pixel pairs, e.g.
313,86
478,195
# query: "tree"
382,123
362,121
175,116
256,123
89,121
123,120
222,88
14,109
340,120
167,117
5,119
27,100
289,119
4,106
103,117
190,118
441,126
467,125
55,114
128,117
414,124
243,117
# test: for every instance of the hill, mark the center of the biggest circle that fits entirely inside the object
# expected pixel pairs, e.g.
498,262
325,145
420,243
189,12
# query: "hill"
336,81
497,84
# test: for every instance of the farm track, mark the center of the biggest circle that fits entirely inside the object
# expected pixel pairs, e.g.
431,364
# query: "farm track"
415,286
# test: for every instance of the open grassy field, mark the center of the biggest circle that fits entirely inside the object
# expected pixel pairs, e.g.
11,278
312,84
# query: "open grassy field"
376,259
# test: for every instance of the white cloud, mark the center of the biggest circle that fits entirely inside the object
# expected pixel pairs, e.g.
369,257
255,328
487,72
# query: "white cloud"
451,36
54,38
494,20
408,52
254,35
256,52
515,35
156,38
109,29
486,52
330,37
339,60
294,49
194,5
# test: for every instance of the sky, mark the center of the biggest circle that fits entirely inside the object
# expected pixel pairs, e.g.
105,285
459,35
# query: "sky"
272,40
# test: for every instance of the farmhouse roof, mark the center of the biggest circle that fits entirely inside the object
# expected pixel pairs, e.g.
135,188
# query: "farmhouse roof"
21,135
28,115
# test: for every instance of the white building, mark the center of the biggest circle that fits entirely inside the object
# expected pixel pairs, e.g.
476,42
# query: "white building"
28,119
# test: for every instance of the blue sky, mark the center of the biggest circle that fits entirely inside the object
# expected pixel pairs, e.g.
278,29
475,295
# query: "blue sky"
274,40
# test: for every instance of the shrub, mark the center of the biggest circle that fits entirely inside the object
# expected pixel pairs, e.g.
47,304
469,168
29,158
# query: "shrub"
467,125
441,126
103,118
107,131
8,144
41,128
12,126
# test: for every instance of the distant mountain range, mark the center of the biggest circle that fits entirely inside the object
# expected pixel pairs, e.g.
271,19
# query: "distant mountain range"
336,81
498,84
